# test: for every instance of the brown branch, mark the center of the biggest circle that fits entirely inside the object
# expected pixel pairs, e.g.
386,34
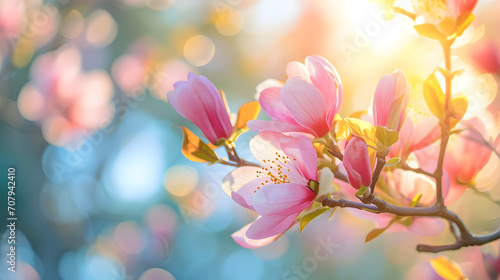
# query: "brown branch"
376,174
463,237
419,170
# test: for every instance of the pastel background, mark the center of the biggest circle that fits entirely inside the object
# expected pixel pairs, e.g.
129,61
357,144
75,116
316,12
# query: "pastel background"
103,191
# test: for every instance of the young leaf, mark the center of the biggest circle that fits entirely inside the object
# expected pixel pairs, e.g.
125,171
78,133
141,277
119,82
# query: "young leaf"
393,161
194,149
447,268
434,96
361,191
333,212
249,111
458,107
311,216
359,128
463,21
378,231
429,31
415,200
386,136
374,234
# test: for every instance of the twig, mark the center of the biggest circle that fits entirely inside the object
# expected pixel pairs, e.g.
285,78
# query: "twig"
376,174
419,170
404,12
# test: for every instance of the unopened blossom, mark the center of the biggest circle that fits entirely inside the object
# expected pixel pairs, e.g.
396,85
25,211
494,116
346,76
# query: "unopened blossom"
307,102
357,163
199,101
278,190
390,100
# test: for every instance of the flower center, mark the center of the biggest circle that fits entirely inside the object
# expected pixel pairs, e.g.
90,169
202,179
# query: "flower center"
433,9
276,171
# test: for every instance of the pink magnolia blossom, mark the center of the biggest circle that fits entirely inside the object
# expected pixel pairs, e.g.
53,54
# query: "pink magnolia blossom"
485,55
278,190
436,11
466,156
199,101
418,131
307,102
458,7
390,100
357,163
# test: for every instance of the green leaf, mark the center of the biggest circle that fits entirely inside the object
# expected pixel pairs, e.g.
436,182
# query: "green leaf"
311,216
429,31
374,234
194,149
415,200
393,161
361,191
407,221
386,136
434,96
378,231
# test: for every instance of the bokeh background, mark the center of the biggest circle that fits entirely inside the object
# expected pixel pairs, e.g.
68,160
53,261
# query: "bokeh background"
103,191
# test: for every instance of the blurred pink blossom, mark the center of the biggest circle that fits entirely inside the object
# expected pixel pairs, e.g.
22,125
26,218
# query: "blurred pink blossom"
67,102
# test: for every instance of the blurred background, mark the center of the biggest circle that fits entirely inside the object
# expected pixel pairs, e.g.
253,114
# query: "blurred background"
103,191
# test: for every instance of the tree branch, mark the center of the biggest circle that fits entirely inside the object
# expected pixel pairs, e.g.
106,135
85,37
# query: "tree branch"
419,170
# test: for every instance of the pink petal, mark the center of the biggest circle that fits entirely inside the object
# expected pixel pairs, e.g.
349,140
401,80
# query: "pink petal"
385,94
274,108
296,69
303,155
306,104
333,71
199,101
357,163
241,238
427,226
269,226
282,199
238,178
244,196
265,145
276,126
327,82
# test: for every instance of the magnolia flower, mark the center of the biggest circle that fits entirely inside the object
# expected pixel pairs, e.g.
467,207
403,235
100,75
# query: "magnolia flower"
435,11
199,101
279,190
307,102
466,156
418,131
357,163
390,100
